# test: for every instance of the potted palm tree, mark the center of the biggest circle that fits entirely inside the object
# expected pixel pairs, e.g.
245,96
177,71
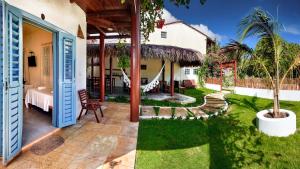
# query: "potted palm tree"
259,23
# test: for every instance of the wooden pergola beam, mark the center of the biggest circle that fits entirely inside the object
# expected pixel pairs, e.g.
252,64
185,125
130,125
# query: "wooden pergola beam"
103,23
100,30
110,37
109,13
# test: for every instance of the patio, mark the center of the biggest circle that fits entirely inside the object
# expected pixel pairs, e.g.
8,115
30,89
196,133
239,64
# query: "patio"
161,96
110,144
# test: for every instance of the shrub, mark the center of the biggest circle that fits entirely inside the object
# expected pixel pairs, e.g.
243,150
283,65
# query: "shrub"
173,111
141,110
156,110
190,113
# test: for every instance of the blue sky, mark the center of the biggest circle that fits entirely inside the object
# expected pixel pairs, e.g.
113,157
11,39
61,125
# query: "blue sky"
219,18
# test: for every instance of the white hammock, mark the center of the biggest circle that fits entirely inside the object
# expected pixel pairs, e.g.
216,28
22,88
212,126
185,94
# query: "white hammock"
149,86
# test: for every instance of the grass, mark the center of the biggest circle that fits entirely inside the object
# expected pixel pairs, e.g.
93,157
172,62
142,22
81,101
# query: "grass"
198,94
174,144
230,141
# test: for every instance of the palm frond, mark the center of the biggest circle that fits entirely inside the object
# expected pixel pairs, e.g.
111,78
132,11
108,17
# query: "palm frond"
236,46
295,63
258,23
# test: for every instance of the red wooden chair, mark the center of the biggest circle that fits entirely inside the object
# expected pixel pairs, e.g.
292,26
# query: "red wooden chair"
89,104
189,84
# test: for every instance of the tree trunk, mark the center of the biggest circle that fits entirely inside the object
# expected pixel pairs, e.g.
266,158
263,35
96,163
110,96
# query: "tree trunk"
276,98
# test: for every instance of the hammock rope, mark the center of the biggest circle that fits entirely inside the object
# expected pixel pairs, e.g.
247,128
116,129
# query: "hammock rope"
147,87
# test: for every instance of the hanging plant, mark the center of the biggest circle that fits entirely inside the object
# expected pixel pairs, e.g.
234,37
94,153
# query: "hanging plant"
151,13
160,23
123,55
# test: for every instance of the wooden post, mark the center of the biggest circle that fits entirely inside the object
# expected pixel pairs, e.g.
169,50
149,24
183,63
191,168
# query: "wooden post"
92,70
221,76
102,67
135,53
172,79
92,80
110,75
163,75
235,72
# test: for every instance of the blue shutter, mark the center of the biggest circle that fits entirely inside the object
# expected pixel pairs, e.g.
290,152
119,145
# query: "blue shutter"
13,115
66,62
1,73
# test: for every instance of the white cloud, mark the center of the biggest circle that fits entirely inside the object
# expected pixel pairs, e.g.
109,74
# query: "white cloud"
292,29
202,28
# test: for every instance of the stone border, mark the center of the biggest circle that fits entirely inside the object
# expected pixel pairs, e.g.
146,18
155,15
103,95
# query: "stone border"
198,114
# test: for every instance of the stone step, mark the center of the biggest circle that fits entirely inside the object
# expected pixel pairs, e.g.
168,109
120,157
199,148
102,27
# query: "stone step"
215,105
213,98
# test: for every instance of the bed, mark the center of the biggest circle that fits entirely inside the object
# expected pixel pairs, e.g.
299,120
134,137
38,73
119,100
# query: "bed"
39,97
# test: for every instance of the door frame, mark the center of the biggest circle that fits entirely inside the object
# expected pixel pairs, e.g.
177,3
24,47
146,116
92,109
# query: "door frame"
57,48
32,19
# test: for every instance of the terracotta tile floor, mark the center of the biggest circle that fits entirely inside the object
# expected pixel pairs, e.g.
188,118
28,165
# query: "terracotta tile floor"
108,145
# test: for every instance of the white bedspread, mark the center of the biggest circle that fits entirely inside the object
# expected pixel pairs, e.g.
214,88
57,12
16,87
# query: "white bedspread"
40,98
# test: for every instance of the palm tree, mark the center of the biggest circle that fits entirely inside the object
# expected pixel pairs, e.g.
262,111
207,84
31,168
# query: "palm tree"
261,24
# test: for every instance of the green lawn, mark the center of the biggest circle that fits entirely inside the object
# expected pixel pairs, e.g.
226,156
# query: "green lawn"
230,141
198,94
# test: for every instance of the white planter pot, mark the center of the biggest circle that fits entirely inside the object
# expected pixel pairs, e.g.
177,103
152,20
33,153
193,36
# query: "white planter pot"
280,127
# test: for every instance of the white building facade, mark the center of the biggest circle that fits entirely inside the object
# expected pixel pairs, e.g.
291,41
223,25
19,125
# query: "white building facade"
181,35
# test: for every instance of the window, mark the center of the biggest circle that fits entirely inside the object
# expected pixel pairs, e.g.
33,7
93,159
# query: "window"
187,71
195,72
163,35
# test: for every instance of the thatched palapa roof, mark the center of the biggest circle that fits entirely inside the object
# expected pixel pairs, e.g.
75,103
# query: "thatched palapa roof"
185,57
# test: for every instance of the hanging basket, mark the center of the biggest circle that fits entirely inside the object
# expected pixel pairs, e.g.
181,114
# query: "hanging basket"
160,23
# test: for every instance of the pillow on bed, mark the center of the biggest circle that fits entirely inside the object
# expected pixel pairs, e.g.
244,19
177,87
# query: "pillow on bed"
41,87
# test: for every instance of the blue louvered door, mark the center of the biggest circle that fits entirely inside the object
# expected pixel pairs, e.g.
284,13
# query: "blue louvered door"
13,115
1,72
66,86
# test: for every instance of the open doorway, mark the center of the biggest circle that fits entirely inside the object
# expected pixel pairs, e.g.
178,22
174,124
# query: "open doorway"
38,83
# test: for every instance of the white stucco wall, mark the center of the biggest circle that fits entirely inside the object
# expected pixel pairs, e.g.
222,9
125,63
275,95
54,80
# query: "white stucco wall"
288,95
183,36
66,16
213,86
191,76
180,35
34,42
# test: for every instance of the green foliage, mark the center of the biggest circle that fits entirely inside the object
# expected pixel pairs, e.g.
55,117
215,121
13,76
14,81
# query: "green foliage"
173,112
190,113
228,79
264,49
151,11
202,73
141,110
119,99
123,56
156,110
